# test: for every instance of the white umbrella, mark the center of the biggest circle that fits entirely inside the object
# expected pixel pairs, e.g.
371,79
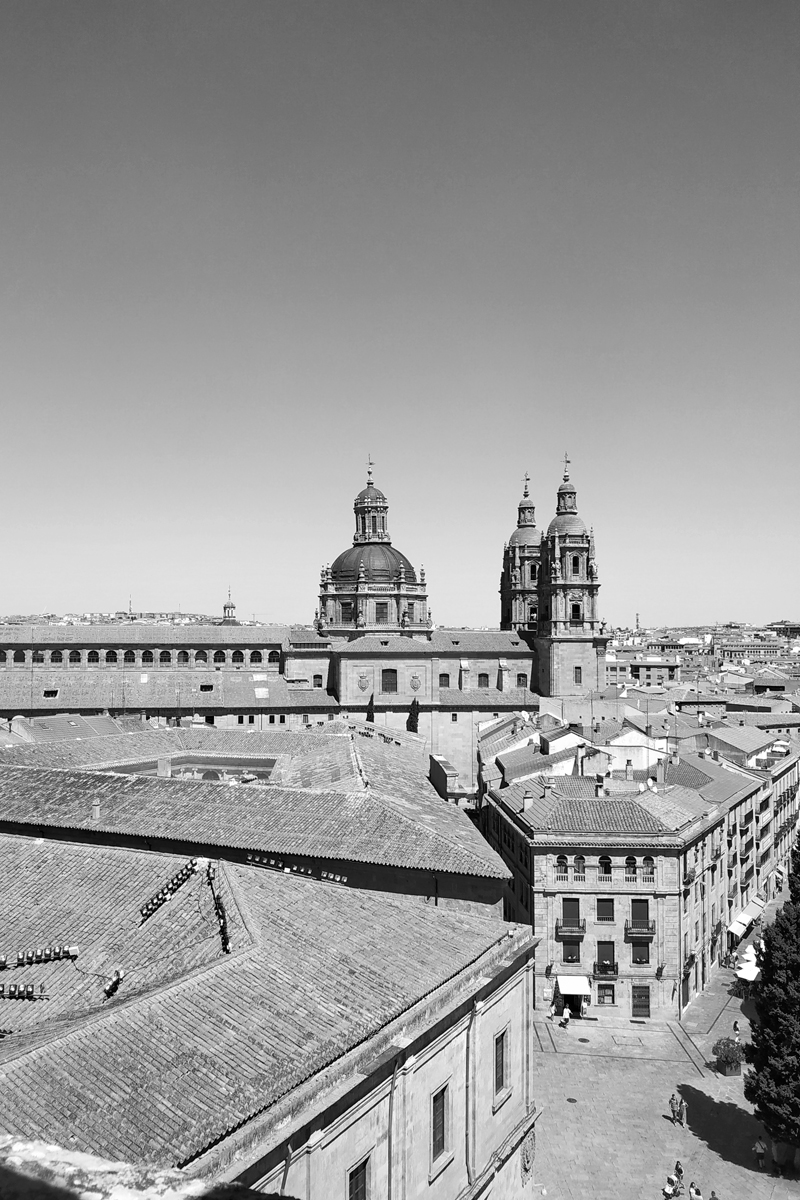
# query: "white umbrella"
749,971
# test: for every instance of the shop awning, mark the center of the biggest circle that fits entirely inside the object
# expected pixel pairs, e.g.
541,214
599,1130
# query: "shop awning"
749,971
574,985
737,928
753,910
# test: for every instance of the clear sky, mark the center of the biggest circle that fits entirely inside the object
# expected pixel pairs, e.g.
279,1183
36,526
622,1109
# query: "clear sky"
246,244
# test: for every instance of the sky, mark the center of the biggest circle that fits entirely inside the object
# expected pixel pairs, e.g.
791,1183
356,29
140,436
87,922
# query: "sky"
247,244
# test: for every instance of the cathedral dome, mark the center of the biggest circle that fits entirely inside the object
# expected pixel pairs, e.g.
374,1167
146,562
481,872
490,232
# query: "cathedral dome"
370,495
526,535
566,524
380,560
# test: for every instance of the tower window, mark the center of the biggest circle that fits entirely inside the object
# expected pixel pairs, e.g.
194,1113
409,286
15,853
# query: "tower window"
382,613
318,681
444,681
389,682
576,613
374,524
347,610
534,572
576,565
577,675
410,611
483,681
522,680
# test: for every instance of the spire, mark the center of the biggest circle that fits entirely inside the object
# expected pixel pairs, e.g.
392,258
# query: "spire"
566,467
370,465
370,508
526,513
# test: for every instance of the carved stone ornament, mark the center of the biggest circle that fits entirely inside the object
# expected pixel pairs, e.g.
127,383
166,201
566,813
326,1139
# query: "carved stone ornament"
527,1155
363,682
416,682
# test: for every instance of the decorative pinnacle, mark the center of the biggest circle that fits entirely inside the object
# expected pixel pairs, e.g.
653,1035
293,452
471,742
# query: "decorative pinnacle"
566,467
370,465
525,479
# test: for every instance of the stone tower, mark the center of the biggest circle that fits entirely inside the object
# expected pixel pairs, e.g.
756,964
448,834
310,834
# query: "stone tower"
519,582
570,642
372,588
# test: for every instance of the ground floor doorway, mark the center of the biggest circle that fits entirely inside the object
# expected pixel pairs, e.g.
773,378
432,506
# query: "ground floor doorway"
640,1000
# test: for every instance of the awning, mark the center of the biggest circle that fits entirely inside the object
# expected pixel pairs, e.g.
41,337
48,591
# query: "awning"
753,910
737,928
749,971
574,985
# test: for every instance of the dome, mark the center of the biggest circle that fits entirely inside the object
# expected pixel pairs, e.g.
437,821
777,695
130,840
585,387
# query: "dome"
370,495
526,535
380,560
565,524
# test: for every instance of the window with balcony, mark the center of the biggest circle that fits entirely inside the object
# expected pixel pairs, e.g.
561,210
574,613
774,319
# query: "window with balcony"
605,909
561,868
604,867
579,868
648,869
630,869
575,614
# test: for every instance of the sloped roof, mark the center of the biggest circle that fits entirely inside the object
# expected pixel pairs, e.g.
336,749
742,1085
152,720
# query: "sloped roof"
553,810
746,738
516,698
113,636
161,1076
529,760
413,832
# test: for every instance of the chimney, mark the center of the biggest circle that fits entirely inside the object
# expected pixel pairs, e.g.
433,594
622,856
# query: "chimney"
628,769
648,729
164,768
547,788
598,785
95,810
661,771
527,800
580,756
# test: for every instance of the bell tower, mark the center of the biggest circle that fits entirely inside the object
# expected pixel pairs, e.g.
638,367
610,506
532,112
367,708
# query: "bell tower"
519,581
571,642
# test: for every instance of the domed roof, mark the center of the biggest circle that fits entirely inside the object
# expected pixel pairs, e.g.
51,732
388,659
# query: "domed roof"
566,523
370,495
526,535
380,560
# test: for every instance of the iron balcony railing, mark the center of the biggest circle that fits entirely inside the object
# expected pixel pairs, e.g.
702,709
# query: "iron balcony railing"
570,926
605,970
640,928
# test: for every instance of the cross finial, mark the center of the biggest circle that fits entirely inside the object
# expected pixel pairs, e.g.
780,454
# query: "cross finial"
525,479
370,465
566,467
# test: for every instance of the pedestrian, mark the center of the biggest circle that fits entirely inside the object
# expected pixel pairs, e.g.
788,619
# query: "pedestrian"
736,1034
683,1110
760,1150
694,1192
713,1195
735,959
674,1106
565,1017
551,1012
679,1174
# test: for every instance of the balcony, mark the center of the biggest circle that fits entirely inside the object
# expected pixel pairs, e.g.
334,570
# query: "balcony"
571,927
716,852
605,970
640,929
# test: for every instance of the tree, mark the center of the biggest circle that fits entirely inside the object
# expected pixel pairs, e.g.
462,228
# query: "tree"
773,1085
794,873
412,724
371,709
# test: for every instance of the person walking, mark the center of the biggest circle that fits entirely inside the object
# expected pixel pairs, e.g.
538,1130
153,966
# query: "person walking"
736,1033
551,1012
565,1017
678,1173
713,1195
674,1106
760,1150
682,1111
694,1192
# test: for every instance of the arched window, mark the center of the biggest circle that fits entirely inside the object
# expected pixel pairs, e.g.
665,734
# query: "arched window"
55,656
444,680
129,658
630,867
37,656
237,657
255,656
273,657
579,863
219,656
561,866
604,865
389,681
200,656
576,565
165,658
147,658
522,680
93,658
318,681
19,656
483,680
3,656
648,866
183,658
111,656
74,658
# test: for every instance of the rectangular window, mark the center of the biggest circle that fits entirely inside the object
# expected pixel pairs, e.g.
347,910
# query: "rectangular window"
410,611
571,911
453,716
575,612
577,675
571,951
640,954
640,912
272,718
522,680
347,610
389,682
500,1064
240,719
605,993
382,613
251,720
439,1124
282,719
305,718
444,681
483,681
357,1181
317,681
605,910
605,952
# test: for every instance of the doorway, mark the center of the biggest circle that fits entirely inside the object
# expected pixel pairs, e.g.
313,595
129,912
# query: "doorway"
640,1000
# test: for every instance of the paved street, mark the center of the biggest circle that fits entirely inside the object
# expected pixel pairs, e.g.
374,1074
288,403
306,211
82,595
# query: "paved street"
606,1133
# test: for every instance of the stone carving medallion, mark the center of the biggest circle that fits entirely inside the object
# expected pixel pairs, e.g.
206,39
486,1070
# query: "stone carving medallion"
416,682
363,682
527,1155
